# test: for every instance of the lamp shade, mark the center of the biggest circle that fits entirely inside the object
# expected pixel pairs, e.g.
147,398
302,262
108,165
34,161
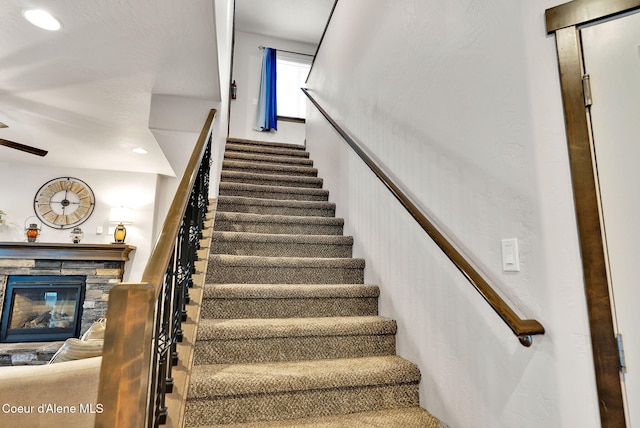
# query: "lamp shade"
121,215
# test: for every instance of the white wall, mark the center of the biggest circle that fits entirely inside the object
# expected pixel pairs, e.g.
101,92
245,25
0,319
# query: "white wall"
224,35
176,122
247,65
461,101
20,182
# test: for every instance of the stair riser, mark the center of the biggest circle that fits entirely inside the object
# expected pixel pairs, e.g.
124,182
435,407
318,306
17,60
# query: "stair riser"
292,349
288,308
259,143
265,150
298,404
222,274
268,159
265,180
262,168
224,206
278,228
272,193
283,249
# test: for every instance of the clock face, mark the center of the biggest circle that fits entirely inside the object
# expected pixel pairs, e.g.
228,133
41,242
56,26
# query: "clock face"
64,202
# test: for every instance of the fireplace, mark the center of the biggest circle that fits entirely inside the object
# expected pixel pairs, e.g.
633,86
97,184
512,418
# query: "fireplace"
41,308
100,265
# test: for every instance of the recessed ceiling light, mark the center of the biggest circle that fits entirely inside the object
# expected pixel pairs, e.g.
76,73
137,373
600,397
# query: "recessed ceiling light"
140,150
42,18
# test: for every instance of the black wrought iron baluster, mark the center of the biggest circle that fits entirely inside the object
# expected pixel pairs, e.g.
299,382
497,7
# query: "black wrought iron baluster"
200,201
171,308
205,168
165,341
161,383
179,308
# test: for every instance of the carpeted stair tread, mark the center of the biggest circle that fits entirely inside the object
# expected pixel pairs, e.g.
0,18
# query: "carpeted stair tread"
286,262
225,268
279,238
289,291
289,300
406,417
211,329
259,143
257,340
270,150
273,192
276,206
276,224
271,179
266,168
267,378
273,159
284,245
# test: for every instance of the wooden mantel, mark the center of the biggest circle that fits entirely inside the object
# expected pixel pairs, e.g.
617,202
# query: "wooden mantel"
56,251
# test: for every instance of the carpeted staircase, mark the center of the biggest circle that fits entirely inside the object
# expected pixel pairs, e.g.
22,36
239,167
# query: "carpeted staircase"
289,334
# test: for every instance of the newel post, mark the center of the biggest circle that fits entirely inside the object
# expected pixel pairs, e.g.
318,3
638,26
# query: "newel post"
124,375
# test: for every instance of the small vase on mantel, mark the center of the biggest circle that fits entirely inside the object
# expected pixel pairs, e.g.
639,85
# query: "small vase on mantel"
76,235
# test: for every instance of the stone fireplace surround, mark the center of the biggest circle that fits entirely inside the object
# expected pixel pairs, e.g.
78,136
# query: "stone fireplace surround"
102,264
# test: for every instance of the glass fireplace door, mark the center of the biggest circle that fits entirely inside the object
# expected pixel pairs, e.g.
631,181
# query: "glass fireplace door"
42,308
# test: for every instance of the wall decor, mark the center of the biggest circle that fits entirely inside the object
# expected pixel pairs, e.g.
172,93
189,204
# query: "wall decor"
64,202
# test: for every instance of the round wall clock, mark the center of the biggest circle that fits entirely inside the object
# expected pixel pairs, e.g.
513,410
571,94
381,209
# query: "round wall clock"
64,202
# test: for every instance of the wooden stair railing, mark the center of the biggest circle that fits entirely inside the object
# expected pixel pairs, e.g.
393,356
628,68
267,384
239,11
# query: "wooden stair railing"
524,329
144,319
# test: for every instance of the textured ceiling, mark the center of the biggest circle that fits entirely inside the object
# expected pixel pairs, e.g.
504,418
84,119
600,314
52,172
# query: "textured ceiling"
299,20
83,93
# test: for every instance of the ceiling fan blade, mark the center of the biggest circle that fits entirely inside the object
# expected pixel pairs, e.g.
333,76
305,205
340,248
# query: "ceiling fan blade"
22,147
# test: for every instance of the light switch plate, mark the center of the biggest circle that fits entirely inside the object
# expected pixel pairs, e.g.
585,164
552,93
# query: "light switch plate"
510,255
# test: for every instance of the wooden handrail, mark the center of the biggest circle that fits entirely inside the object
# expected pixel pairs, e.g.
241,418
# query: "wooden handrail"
522,328
126,370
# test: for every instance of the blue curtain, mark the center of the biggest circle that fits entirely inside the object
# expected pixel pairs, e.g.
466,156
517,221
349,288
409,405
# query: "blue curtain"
267,116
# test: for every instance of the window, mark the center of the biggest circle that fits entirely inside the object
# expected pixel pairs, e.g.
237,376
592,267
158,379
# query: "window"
291,74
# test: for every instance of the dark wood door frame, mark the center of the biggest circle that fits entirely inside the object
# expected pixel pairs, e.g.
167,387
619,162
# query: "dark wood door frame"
564,21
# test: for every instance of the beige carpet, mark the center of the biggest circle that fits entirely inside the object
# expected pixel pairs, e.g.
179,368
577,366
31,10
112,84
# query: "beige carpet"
290,335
